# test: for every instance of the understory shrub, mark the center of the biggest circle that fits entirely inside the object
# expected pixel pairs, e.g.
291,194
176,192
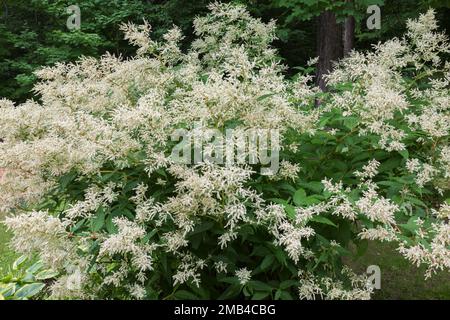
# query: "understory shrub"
93,190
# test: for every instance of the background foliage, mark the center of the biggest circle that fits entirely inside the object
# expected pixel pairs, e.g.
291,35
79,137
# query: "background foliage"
34,33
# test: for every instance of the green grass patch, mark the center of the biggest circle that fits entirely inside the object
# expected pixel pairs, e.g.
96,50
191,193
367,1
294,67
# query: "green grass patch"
399,279
7,256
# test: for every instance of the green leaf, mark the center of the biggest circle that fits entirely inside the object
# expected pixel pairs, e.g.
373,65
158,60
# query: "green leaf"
260,251
260,286
98,221
411,225
46,274
78,225
390,164
265,96
29,290
394,184
28,278
202,228
267,262
19,262
285,295
281,256
300,197
323,220
8,289
278,294
185,295
260,295
110,226
314,186
288,283
66,179
35,267
231,292
230,280
290,210
351,122
404,154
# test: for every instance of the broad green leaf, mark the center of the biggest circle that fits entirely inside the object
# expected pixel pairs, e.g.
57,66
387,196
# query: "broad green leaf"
260,286
288,283
351,122
300,197
278,294
404,154
7,290
185,295
46,274
29,277
35,267
323,220
260,295
98,221
290,210
267,262
230,280
202,228
231,292
314,186
19,262
285,295
281,257
110,226
29,290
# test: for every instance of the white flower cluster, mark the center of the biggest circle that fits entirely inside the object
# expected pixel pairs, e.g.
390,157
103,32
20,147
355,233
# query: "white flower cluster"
379,96
39,232
312,287
243,275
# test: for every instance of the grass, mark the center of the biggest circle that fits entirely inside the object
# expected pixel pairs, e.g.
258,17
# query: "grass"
7,256
399,279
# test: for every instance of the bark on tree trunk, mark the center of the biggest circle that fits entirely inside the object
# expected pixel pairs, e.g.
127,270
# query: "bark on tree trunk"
349,35
329,45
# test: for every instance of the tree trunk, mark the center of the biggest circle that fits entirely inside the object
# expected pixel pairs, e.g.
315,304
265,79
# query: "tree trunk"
349,35
329,45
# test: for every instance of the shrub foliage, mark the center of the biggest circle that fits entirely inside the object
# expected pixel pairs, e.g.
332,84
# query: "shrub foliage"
95,194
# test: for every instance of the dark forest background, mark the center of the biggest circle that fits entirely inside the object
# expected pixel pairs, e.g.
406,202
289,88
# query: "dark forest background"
34,33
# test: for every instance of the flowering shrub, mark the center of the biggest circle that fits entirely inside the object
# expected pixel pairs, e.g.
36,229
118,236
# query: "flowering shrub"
97,196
